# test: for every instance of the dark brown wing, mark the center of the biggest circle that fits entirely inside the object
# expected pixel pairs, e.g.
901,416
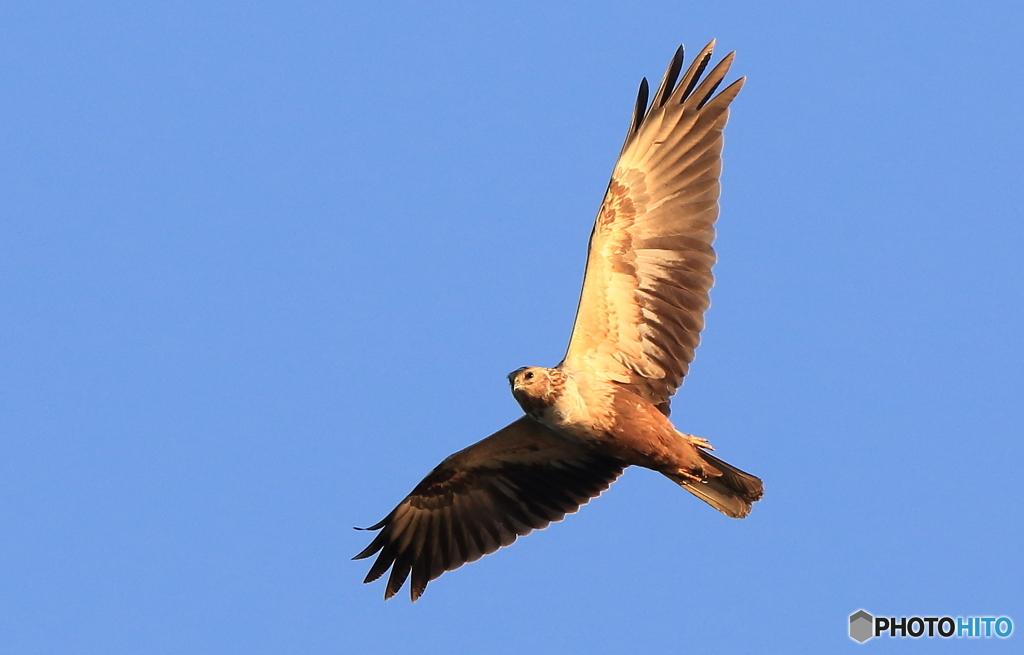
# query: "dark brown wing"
649,265
519,479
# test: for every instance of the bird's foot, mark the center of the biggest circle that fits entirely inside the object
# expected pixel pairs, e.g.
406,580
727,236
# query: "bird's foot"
699,442
689,477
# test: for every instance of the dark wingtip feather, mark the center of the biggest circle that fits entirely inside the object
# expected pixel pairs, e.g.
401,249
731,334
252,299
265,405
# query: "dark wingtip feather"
420,578
400,569
378,525
710,84
424,560
668,83
640,110
375,545
381,564
696,69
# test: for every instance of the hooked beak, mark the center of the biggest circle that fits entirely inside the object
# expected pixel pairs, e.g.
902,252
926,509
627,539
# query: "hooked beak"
512,379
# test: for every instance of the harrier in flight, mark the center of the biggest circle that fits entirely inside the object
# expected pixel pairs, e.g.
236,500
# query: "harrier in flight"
606,405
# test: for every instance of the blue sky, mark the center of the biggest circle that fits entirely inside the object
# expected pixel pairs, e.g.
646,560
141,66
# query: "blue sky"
262,266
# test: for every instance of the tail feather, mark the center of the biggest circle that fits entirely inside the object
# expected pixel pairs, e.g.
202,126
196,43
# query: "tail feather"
732,493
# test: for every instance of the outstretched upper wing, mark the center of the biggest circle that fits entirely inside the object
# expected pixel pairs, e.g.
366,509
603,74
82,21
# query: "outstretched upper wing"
649,266
519,479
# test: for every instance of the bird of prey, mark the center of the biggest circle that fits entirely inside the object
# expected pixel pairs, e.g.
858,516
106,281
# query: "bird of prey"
606,405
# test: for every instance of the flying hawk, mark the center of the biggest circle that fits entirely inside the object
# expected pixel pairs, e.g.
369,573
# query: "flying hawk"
606,405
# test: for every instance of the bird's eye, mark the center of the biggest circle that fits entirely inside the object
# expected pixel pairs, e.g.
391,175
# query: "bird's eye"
529,376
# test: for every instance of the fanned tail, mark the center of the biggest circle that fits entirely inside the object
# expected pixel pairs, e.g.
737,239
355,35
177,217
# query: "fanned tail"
732,493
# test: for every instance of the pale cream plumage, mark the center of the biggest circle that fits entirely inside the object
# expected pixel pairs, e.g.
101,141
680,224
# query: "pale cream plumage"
649,264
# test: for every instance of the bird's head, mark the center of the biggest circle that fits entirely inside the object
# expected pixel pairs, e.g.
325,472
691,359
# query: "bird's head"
535,388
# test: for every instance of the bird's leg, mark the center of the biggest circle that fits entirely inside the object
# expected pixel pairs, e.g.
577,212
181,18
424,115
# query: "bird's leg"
699,442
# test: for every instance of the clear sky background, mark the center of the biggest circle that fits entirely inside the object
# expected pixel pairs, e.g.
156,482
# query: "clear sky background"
262,266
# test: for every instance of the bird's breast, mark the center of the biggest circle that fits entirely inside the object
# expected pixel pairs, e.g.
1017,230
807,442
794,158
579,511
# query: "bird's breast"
579,411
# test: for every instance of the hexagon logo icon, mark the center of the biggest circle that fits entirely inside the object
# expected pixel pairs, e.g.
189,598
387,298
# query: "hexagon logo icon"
861,626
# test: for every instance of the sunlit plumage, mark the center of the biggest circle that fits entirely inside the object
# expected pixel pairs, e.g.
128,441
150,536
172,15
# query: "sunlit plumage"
606,405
